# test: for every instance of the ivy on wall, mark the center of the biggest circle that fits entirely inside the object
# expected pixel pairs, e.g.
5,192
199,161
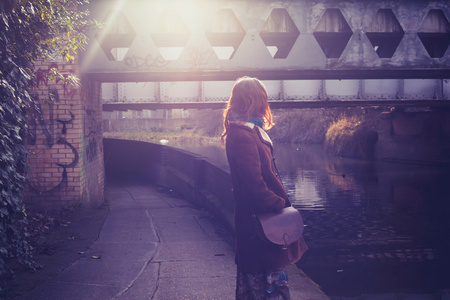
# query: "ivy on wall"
30,30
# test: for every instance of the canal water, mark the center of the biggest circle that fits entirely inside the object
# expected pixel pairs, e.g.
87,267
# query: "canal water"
372,227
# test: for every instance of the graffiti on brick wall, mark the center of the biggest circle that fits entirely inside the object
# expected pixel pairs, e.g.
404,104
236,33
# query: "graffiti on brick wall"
42,77
92,129
91,149
91,160
47,128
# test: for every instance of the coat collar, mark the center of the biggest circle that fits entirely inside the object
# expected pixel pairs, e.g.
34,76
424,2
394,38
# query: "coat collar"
261,133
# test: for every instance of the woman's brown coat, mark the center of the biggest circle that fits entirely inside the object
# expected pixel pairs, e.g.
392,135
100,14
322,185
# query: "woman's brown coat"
256,189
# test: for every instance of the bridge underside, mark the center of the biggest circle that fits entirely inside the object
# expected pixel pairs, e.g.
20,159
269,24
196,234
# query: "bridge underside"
311,45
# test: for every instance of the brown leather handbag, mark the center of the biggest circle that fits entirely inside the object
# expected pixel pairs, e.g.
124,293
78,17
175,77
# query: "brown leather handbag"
282,228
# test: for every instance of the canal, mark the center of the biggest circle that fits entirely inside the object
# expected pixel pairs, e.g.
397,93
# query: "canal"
372,227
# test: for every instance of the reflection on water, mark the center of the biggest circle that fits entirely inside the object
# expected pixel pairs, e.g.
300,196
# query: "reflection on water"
372,227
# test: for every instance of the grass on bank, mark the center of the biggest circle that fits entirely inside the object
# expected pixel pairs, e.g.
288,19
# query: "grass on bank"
352,137
342,128
297,126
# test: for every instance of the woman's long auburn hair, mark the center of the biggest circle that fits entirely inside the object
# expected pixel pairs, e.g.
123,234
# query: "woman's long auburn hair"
248,99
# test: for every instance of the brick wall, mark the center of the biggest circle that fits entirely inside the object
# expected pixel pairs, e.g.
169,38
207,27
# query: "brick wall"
91,158
65,143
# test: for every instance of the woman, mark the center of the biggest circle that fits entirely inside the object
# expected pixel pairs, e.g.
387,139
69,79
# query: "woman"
257,188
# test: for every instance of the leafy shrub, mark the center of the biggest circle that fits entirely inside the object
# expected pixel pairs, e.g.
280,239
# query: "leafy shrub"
31,30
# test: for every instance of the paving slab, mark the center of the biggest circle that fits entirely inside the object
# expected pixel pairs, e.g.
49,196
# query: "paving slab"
122,251
193,251
155,246
54,290
197,268
212,288
181,229
144,287
99,272
173,212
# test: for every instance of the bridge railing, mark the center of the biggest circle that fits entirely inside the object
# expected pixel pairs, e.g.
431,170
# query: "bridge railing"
189,174
151,96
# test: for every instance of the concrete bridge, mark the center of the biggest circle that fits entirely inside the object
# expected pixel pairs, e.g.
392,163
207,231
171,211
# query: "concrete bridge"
361,53
186,54
219,40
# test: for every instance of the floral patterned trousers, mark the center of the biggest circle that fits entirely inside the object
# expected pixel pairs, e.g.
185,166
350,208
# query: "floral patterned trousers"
270,285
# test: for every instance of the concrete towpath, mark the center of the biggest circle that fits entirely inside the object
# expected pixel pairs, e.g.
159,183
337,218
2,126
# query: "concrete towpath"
155,246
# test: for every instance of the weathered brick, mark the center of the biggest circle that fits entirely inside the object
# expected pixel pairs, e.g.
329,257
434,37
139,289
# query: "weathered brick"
65,151
45,157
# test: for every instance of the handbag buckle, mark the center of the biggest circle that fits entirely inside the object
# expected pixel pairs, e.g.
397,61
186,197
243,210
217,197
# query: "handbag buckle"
287,241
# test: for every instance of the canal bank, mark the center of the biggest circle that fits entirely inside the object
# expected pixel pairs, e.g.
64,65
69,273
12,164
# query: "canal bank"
409,134
374,228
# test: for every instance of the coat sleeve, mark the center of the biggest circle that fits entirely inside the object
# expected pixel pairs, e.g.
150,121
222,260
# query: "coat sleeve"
245,166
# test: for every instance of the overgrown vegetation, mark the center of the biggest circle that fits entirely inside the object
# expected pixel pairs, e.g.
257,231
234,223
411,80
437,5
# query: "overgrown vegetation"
307,126
31,30
352,137
304,126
